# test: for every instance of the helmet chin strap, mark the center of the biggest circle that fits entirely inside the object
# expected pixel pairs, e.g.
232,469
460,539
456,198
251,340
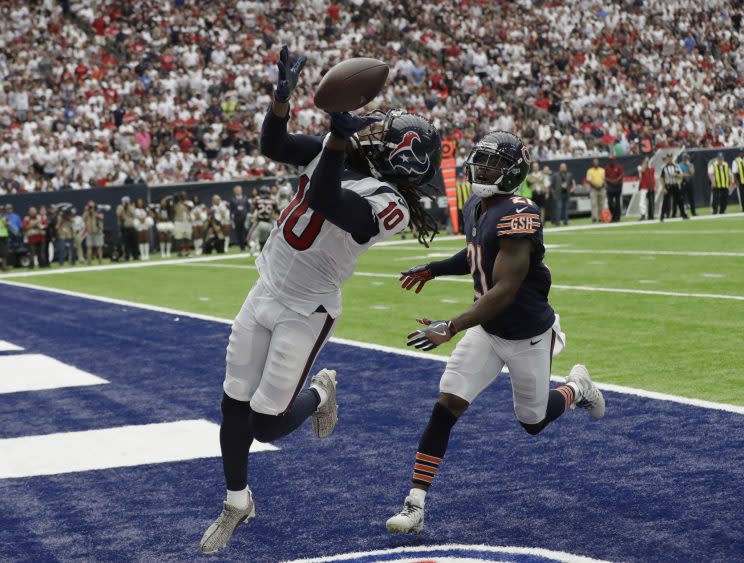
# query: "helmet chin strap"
487,190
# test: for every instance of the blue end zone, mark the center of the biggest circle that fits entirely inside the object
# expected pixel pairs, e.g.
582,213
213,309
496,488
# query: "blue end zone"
654,480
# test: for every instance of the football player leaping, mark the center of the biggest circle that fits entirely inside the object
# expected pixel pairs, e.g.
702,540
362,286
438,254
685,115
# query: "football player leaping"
510,323
360,184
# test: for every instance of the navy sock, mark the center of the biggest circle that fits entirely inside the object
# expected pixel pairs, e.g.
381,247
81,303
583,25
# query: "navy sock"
432,445
267,428
236,437
559,401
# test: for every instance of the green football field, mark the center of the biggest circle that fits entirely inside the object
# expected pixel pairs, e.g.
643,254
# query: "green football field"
647,305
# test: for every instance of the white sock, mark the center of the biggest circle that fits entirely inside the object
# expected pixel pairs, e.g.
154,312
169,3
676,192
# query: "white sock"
238,499
167,249
322,394
577,393
227,243
418,496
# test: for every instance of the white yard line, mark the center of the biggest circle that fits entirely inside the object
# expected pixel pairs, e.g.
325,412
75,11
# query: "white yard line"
661,232
380,348
554,286
645,252
124,266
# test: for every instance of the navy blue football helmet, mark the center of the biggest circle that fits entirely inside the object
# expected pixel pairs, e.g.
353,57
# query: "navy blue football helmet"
498,164
402,148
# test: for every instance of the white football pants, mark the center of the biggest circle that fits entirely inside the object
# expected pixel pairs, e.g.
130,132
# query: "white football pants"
479,358
271,350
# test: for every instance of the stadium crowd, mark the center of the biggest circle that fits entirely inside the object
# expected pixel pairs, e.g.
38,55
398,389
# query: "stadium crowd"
162,92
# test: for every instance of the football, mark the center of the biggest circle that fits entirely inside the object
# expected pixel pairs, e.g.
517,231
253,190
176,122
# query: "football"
351,84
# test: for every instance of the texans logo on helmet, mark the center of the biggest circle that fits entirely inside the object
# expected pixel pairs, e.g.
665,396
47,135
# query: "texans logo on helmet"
404,156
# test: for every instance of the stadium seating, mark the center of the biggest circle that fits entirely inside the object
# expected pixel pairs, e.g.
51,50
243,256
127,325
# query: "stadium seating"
166,92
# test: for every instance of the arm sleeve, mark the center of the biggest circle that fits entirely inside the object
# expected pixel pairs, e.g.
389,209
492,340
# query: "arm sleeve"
347,210
456,265
280,146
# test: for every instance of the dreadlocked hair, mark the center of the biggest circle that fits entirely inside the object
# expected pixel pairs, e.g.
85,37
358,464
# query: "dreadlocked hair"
422,223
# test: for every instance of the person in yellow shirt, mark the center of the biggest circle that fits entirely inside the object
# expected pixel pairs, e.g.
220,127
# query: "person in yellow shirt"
595,177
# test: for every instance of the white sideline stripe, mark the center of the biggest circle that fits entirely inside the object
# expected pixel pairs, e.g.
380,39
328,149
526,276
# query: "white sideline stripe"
536,551
34,372
381,348
6,346
125,266
124,446
554,286
665,232
645,252
649,292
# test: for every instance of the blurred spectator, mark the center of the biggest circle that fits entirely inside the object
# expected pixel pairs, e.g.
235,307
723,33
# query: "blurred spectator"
93,219
213,234
15,224
539,187
647,187
688,176
78,230
164,225
240,208
671,178
64,248
221,214
614,180
737,171
720,183
182,230
143,224
595,177
562,186
35,238
125,216
464,190
4,236
199,216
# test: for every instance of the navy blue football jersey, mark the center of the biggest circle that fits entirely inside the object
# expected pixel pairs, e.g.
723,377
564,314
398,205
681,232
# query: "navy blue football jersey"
513,217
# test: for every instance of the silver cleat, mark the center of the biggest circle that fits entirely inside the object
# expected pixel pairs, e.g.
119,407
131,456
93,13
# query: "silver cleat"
222,529
590,397
326,417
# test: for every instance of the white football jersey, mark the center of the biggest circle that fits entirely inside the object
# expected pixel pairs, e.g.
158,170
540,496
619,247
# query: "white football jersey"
307,259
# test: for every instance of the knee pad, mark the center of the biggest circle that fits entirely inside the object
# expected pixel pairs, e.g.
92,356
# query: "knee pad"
266,427
534,429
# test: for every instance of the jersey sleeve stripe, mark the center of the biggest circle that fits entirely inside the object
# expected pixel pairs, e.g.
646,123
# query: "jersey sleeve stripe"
533,215
517,231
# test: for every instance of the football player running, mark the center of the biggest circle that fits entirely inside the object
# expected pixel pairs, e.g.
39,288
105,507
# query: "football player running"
511,322
360,184
265,211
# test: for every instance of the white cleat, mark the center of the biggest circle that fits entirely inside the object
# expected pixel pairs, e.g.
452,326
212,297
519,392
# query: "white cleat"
326,417
221,530
590,398
409,520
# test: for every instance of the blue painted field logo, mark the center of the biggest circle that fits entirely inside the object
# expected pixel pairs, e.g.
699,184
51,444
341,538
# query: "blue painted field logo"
456,554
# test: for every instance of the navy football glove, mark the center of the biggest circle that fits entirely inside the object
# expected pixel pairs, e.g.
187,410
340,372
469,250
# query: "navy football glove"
417,274
345,124
288,76
435,333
